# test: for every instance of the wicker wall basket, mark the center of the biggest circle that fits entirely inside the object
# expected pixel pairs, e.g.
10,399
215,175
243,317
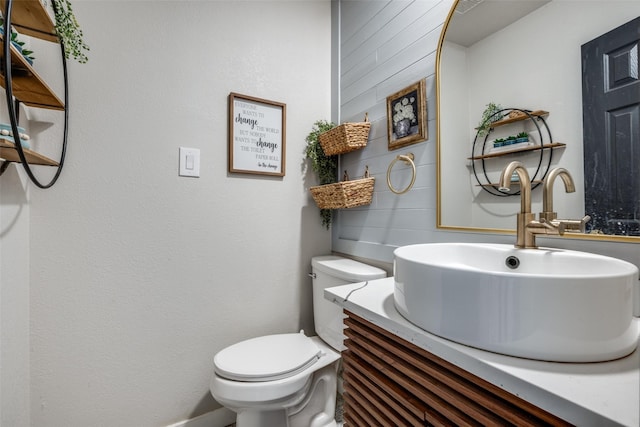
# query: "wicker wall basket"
345,194
345,138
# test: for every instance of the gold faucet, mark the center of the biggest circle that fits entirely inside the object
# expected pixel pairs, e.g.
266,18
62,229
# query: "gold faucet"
548,216
547,192
527,226
525,238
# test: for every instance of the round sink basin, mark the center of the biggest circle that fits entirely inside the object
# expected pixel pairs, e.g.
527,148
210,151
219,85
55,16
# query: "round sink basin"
544,304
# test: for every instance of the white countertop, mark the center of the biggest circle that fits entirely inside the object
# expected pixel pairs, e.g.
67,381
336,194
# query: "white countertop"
606,393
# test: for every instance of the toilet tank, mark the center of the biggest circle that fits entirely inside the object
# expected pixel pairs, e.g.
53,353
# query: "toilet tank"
328,271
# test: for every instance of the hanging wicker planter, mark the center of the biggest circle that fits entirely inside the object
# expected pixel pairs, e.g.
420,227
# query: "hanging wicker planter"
345,194
345,138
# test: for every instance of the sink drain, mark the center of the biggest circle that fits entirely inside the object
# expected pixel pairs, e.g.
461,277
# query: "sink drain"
512,262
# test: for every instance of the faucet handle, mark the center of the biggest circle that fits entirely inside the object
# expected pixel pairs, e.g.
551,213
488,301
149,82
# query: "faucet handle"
573,225
585,220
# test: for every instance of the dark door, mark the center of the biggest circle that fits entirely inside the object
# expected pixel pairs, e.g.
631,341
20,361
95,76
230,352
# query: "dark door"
611,126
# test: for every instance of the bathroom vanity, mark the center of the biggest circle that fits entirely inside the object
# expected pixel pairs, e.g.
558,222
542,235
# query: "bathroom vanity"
397,372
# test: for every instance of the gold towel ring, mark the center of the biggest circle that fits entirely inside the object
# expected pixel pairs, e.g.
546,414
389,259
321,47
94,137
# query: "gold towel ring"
408,159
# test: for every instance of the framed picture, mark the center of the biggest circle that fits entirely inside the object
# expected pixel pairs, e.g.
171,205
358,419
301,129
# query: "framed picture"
407,116
256,135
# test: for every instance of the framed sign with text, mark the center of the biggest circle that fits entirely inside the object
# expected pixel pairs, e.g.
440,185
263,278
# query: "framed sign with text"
256,135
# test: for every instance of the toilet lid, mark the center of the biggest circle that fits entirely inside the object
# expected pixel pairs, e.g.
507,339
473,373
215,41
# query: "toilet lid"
267,358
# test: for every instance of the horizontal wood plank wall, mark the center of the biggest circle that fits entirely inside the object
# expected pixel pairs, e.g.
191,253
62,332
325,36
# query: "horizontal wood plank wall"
385,46
391,382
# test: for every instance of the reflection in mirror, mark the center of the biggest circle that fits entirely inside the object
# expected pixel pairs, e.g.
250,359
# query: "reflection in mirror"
526,55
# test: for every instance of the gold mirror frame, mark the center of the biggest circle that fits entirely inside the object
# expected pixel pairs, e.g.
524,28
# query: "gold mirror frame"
439,195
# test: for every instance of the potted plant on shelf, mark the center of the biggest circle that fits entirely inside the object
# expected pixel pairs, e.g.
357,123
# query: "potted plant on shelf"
69,31
490,115
325,167
498,142
522,137
510,140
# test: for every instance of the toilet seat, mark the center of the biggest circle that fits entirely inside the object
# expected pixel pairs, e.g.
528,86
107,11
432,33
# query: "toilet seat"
267,358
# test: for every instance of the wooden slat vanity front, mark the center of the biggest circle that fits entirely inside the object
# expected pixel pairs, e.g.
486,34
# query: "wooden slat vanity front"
391,382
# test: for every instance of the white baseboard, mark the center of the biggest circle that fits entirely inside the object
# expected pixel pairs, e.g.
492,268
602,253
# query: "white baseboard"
221,417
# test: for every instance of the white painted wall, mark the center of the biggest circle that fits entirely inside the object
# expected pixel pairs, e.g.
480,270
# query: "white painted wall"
120,283
14,299
458,183
387,46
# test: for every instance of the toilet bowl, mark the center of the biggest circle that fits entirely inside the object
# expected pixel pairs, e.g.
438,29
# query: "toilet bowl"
290,380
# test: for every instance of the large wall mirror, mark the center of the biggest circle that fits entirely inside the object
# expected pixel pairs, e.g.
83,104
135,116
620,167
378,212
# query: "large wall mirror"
523,54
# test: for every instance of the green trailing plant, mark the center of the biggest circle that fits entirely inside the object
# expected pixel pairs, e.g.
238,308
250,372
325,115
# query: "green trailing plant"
325,167
489,115
69,31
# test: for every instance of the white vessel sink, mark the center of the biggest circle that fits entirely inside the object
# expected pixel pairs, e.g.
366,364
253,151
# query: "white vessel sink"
543,304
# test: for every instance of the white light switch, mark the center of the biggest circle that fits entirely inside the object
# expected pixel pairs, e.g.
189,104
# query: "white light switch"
189,162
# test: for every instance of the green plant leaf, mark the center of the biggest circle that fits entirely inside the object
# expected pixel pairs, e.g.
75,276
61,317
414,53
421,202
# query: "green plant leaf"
69,31
325,167
489,115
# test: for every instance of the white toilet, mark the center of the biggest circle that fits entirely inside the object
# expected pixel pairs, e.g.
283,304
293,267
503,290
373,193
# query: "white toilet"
290,380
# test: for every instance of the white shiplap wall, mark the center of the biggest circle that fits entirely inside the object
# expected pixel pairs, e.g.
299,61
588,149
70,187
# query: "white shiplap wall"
386,46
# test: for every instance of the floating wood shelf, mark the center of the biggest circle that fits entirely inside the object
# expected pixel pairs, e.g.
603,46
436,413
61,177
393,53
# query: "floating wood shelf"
29,17
509,120
28,86
9,153
519,150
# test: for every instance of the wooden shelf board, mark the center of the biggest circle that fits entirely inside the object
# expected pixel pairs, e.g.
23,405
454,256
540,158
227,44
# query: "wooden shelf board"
10,154
29,17
28,86
537,113
519,150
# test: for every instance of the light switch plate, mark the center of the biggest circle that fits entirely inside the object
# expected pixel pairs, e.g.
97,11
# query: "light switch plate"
189,162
